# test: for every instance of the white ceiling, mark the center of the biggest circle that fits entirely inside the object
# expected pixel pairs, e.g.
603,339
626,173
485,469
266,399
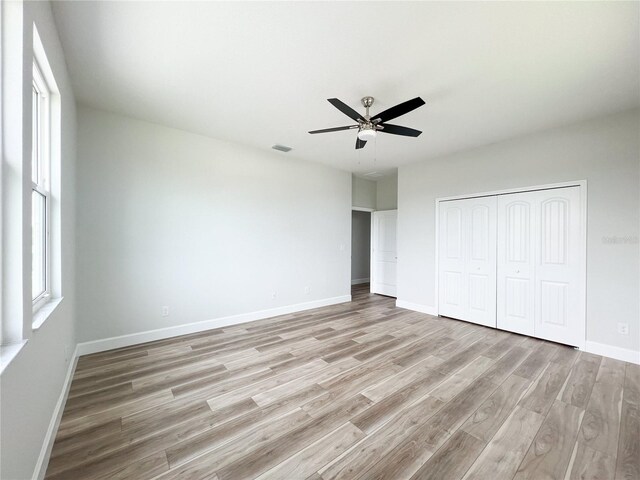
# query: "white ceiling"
260,73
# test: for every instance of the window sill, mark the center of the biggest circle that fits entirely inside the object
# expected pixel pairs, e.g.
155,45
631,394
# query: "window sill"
44,312
8,353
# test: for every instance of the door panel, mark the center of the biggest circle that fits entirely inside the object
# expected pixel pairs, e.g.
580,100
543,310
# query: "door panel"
554,297
453,290
553,229
518,228
478,292
558,267
480,232
480,228
539,264
452,260
384,256
518,299
453,232
467,263
515,289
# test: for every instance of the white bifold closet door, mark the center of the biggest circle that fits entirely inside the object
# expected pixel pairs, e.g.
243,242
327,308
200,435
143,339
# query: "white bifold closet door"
467,259
540,264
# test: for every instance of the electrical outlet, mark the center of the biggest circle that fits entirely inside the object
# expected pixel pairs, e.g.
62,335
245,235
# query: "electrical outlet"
623,328
307,290
164,311
274,295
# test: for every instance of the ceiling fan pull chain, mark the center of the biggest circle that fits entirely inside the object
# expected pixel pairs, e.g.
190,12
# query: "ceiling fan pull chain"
375,152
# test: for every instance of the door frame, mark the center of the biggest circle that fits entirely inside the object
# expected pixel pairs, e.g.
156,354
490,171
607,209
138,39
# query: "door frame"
363,209
583,240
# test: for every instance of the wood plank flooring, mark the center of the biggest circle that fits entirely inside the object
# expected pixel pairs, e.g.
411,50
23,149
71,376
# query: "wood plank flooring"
361,390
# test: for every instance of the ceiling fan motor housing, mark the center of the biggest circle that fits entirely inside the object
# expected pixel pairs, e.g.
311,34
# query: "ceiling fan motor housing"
367,130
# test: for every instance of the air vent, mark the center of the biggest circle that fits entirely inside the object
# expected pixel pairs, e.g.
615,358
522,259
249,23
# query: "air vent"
281,148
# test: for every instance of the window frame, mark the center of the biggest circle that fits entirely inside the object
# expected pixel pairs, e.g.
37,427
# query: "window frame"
40,179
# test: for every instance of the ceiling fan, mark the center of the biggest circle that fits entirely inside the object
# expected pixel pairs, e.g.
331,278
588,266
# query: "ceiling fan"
368,126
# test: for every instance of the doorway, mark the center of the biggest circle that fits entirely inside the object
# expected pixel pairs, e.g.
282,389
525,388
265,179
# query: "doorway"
360,247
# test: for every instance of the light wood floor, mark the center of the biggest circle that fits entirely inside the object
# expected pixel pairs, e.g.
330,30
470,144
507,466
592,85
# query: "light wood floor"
361,390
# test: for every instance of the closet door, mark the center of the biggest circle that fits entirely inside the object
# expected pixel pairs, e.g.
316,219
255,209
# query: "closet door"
516,265
559,309
540,264
467,259
452,258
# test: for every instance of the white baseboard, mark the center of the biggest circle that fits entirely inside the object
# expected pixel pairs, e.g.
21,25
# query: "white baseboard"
624,354
416,307
96,346
47,445
358,281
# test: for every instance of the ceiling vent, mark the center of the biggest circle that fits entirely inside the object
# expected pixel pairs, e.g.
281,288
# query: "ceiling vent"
281,148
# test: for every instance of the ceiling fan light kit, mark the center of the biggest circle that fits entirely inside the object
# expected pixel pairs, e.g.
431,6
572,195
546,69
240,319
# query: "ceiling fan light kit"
369,126
366,133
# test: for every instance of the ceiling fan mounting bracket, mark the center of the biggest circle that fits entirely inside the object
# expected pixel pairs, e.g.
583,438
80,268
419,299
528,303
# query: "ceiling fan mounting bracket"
367,101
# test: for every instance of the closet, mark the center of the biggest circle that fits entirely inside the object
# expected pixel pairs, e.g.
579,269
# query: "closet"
515,261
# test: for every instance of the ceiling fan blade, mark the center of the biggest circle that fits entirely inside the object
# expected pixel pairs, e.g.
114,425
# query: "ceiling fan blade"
360,143
334,129
398,130
346,109
398,110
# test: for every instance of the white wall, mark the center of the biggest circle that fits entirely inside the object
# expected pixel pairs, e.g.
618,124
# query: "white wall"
605,152
363,192
387,192
208,228
360,246
31,385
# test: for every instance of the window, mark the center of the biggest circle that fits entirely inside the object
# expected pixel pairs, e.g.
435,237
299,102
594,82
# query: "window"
40,190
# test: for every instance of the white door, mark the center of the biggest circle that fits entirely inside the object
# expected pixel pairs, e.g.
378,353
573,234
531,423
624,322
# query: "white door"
384,253
540,264
516,265
452,302
467,260
558,309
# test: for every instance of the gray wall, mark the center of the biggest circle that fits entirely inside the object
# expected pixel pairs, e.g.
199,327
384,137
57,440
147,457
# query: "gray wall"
363,192
32,383
387,192
381,194
209,228
605,152
360,246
